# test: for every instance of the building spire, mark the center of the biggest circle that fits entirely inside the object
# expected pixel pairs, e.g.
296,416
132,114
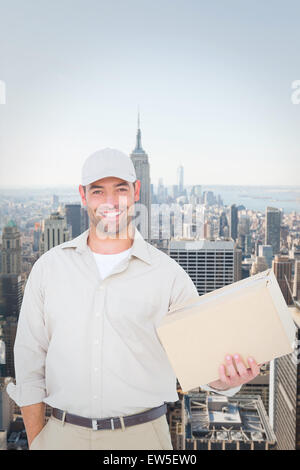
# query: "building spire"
138,146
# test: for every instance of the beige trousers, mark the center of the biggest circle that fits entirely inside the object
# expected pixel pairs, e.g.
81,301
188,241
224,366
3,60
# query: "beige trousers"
55,435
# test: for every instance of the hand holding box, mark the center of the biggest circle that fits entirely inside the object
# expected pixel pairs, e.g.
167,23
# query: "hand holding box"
249,317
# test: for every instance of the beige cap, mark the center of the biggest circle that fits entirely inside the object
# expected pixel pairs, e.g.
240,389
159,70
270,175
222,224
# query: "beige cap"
107,162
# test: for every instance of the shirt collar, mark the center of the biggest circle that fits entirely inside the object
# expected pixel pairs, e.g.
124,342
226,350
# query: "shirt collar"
139,247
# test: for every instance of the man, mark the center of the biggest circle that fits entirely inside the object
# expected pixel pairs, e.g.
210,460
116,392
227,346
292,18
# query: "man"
86,341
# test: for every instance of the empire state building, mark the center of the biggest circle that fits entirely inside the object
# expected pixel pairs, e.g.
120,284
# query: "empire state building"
142,168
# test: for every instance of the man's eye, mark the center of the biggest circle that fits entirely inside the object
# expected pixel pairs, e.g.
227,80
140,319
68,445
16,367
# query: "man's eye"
123,189
96,192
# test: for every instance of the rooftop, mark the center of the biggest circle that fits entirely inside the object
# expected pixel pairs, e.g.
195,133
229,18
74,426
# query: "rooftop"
184,244
220,418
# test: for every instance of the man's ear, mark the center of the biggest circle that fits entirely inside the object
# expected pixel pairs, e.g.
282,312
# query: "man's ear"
137,188
82,192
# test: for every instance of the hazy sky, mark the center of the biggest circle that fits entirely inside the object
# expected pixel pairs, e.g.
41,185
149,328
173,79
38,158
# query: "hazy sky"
212,79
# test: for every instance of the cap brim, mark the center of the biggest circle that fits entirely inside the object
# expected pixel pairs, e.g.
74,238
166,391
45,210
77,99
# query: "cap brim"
91,179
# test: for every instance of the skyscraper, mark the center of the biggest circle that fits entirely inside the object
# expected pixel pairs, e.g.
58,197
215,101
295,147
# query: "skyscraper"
296,283
282,267
6,409
295,256
10,295
257,244
272,230
210,264
195,195
284,408
244,235
223,225
37,236
237,264
233,222
9,330
209,198
10,305
85,223
55,231
11,249
55,202
180,178
160,191
267,252
10,291
73,215
142,168
244,225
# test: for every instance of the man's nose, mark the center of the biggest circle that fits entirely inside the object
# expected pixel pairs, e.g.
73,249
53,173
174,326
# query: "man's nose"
111,200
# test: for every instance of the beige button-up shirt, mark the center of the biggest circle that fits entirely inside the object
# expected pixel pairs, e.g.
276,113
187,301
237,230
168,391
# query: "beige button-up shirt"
89,345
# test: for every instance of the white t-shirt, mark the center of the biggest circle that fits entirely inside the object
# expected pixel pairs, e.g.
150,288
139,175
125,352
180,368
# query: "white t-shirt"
106,263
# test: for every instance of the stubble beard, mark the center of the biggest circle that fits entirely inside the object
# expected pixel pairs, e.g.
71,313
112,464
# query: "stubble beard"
111,229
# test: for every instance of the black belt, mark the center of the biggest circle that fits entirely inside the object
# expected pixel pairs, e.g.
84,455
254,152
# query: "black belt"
111,423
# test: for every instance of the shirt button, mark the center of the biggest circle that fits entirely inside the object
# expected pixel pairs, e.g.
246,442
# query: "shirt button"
96,369
96,341
98,314
95,397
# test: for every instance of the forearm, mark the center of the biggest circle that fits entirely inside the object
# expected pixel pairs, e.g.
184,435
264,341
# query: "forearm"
34,419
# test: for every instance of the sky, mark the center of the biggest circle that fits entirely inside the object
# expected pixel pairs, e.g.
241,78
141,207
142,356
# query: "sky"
213,82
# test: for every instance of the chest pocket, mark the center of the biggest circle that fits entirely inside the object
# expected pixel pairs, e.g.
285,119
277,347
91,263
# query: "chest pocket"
131,316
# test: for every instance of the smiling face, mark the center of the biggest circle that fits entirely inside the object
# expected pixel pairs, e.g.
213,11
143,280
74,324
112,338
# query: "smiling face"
110,204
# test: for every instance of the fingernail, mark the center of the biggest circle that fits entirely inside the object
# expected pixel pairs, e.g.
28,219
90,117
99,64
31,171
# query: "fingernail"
236,356
250,359
228,358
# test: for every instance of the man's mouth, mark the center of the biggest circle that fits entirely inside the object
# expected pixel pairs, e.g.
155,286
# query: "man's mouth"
110,214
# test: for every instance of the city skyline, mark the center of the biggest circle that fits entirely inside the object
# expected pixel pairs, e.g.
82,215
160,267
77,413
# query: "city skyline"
234,244
213,83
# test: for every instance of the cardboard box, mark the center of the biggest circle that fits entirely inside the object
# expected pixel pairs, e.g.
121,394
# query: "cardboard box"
249,317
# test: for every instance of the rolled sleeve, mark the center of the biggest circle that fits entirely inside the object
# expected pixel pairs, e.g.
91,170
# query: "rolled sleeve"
31,343
183,288
227,393
27,394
